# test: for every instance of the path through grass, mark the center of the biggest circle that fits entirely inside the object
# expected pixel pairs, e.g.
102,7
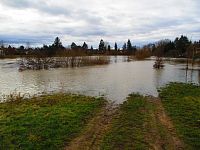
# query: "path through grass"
141,124
182,103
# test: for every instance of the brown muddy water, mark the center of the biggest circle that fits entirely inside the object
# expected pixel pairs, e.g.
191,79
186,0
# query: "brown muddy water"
114,81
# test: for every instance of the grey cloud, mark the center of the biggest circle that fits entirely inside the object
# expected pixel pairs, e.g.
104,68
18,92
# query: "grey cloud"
140,20
68,12
39,5
16,3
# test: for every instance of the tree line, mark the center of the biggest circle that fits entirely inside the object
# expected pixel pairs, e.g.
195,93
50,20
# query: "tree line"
180,47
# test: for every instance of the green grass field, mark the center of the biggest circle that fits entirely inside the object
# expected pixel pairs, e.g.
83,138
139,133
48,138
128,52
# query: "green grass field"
46,122
182,104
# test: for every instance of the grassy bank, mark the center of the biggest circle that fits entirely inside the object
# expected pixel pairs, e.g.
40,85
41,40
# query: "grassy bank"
182,103
47,122
141,125
79,122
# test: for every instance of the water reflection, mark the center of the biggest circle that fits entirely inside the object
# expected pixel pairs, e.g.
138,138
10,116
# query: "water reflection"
158,75
199,75
115,80
192,75
186,75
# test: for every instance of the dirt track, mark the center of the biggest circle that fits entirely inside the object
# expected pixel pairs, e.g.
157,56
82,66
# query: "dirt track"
96,128
160,132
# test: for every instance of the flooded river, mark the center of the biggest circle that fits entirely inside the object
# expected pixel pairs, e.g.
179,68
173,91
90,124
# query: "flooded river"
115,81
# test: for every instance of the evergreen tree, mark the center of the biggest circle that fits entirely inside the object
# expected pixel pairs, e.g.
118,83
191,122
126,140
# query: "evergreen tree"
21,48
109,48
57,43
73,45
182,44
169,46
92,48
129,45
45,47
101,45
124,47
85,46
115,46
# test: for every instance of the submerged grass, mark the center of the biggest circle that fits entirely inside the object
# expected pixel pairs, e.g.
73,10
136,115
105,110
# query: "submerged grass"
46,122
182,103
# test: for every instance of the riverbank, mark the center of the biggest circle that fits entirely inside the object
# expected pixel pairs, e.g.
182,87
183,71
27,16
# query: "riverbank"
75,122
144,123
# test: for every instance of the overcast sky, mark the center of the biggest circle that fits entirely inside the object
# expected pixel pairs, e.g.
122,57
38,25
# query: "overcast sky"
142,21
